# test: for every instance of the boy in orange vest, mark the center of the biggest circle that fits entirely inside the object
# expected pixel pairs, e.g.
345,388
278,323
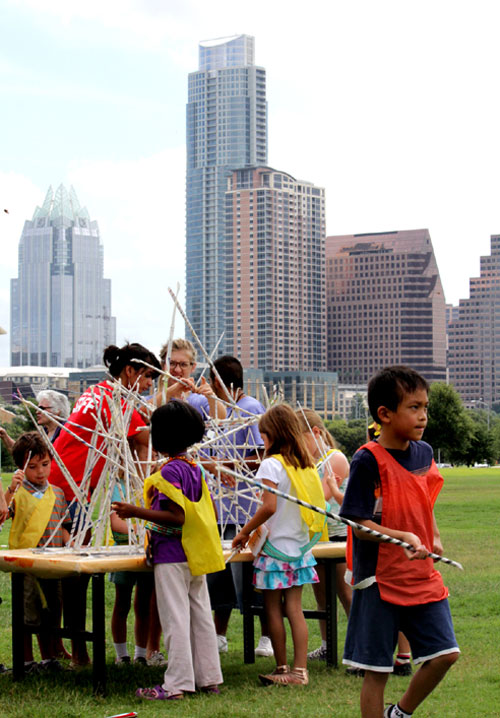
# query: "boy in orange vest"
393,485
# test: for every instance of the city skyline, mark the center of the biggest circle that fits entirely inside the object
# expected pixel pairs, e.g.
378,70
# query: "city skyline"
401,138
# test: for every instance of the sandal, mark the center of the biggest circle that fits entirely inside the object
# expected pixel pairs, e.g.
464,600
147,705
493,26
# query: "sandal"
298,677
158,694
211,689
278,677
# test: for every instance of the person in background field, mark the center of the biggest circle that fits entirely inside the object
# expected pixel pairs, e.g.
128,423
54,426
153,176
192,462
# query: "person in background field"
286,563
37,509
393,485
226,587
52,402
185,546
181,365
333,469
73,452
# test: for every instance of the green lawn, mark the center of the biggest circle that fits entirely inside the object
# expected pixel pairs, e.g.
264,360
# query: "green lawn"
468,513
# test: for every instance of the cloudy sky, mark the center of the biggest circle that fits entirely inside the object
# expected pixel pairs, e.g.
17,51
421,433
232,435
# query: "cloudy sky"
392,106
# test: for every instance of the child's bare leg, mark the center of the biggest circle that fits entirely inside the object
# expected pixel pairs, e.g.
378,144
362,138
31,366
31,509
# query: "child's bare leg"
28,648
295,615
344,591
142,602
425,680
320,596
123,599
276,626
372,694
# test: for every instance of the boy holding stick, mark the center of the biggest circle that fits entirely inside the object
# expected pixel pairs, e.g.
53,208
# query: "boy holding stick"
392,488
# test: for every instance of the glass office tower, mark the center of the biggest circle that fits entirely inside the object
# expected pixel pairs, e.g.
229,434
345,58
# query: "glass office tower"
226,124
60,303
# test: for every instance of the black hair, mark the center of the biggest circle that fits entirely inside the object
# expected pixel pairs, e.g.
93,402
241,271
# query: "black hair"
389,386
117,358
175,427
29,444
230,371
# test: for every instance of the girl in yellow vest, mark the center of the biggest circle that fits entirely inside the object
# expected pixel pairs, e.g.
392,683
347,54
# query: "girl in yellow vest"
185,546
286,562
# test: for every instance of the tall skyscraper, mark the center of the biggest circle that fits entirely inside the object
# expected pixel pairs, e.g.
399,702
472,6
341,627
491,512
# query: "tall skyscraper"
385,305
275,271
474,339
60,303
226,129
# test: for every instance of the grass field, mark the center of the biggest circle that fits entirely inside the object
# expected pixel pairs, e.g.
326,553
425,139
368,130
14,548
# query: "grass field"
468,513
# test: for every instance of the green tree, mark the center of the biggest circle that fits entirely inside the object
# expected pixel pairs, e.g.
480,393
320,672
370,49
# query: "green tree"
348,435
449,429
19,425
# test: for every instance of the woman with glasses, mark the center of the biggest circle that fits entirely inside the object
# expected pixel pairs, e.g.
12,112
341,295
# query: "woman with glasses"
181,385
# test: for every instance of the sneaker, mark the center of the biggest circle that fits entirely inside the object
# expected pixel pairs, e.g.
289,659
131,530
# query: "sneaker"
123,660
265,647
388,710
402,669
157,659
222,644
140,661
353,671
319,654
50,664
31,667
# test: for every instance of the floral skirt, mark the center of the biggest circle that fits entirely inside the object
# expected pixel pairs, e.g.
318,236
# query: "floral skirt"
271,573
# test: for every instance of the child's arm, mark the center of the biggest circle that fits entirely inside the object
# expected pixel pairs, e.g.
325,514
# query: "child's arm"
421,551
117,524
263,513
336,469
174,516
15,483
437,546
65,536
4,509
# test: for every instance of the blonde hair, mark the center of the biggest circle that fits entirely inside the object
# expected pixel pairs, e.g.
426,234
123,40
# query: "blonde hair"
281,426
309,419
178,345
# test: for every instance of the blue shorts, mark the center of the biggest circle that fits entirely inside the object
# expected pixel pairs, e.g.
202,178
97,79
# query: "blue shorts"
372,631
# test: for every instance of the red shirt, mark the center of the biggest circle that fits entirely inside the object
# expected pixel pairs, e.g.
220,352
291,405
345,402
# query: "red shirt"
82,423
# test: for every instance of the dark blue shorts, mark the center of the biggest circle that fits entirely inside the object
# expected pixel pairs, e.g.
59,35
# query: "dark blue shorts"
372,631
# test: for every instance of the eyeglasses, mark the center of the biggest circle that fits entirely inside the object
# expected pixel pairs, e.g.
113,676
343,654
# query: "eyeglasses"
45,408
181,364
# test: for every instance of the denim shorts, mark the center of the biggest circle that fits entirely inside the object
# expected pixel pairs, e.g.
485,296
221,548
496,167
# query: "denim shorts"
372,631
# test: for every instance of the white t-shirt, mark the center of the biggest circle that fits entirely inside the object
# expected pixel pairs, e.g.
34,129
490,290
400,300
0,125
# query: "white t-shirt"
288,532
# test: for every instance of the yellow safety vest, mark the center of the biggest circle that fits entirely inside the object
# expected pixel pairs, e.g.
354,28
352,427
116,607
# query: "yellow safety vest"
200,536
31,517
307,485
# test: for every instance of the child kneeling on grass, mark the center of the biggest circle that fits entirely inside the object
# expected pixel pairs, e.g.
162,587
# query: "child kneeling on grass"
393,485
38,510
185,546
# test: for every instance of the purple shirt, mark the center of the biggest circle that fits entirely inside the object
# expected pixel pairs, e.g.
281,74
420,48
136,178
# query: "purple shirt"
187,478
200,403
240,508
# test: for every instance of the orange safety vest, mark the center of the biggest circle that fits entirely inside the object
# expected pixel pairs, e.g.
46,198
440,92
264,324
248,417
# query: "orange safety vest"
408,502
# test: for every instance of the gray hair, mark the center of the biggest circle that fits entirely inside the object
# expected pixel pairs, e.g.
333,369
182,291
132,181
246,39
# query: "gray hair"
59,404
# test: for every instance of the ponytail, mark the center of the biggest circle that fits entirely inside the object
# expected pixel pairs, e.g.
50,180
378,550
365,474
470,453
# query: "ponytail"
116,358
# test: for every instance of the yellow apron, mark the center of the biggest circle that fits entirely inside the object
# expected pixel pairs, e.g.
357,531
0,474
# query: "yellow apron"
307,485
200,536
31,517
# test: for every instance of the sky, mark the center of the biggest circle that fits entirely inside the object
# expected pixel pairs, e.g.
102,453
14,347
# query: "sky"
392,106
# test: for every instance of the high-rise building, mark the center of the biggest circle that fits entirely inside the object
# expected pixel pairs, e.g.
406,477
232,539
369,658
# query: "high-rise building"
60,303
385,305
474,339
226,129
275,265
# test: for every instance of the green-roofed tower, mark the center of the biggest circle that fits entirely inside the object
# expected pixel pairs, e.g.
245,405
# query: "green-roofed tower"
60,302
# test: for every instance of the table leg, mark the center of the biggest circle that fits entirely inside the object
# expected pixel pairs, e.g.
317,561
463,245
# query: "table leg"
331,612
248,621
98,634
17,626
